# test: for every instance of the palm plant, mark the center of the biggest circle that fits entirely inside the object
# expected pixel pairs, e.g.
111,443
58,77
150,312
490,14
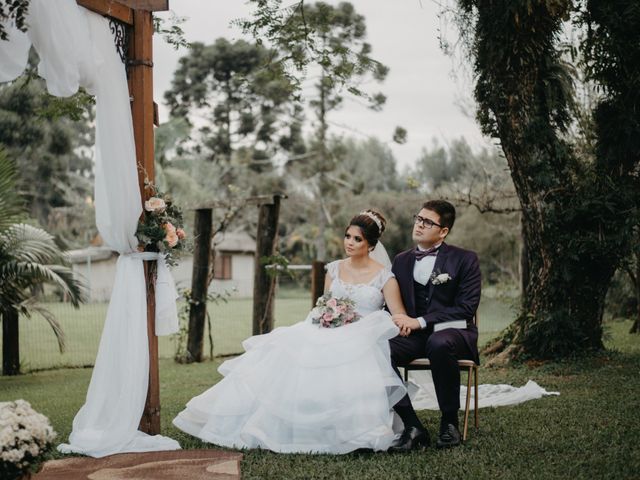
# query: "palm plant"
29,257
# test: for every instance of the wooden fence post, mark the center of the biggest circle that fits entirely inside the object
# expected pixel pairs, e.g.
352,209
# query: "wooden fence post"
263,284
10,343
198,309
317,281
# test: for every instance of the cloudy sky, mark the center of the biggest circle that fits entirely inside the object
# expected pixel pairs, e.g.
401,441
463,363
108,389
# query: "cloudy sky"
422,93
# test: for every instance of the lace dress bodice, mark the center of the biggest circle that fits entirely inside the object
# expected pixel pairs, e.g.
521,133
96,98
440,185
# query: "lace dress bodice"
368,297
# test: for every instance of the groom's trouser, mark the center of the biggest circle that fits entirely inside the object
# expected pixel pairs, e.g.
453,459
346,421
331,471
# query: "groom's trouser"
443,349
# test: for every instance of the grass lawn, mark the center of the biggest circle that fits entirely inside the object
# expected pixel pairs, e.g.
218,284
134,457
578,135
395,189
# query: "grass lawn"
231,324
589,432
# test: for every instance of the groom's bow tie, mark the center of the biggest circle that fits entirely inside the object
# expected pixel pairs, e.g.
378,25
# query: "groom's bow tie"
431,252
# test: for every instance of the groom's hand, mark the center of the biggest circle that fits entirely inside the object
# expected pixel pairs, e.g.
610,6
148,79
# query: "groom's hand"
406,324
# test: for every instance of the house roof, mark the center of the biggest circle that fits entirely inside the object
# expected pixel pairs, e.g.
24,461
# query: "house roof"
235,242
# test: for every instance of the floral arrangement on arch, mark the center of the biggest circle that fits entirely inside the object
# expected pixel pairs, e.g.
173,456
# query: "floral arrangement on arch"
332,312
25,435
161,228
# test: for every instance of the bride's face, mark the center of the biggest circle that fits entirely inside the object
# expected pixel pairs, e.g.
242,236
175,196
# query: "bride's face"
355,245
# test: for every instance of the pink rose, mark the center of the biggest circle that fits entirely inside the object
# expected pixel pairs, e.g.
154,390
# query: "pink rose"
327,317
171,236
181,234
155,204
332,303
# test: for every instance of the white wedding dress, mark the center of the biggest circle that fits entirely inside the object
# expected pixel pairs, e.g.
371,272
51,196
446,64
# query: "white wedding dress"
305,388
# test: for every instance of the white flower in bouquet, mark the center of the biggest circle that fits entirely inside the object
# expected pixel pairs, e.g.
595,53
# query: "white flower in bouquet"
155,204
24,435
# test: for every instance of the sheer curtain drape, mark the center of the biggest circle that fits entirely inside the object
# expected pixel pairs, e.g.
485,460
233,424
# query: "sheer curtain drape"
76,49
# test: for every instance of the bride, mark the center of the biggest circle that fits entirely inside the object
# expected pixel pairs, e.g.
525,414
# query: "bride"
310,389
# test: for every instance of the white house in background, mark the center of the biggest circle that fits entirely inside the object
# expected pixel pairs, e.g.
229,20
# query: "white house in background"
96,268
234,264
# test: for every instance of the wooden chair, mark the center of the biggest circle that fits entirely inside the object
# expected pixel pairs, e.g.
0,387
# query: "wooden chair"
471,367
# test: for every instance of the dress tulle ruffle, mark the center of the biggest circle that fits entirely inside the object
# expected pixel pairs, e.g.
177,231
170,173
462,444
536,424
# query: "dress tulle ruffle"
304,389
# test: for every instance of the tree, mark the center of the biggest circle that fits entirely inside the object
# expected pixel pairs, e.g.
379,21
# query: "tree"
362,167
577,214
29,258
623,297
488,219
49,138
245,100
366,165
13,10
343,60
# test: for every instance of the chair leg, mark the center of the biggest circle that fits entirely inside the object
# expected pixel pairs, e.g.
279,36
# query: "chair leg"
466,409
475,382
406,374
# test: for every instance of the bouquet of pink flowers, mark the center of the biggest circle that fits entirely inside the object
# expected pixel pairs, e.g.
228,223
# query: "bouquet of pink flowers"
160,228
331,312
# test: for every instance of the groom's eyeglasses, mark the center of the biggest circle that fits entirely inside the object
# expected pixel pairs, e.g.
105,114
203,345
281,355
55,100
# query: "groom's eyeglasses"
426,222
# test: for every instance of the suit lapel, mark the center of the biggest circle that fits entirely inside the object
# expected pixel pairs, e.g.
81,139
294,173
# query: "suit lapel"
437,267
408,281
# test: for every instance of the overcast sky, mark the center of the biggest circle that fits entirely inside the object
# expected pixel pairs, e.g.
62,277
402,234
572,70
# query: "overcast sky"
422,94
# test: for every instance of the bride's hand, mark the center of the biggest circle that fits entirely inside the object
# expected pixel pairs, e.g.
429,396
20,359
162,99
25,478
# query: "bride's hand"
405,323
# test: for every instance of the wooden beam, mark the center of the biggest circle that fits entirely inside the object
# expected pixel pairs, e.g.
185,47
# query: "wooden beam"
148,5
198,309
109,8
141,90
263,284
317,281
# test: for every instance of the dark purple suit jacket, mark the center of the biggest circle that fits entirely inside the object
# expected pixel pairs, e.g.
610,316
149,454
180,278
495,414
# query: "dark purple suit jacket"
457,299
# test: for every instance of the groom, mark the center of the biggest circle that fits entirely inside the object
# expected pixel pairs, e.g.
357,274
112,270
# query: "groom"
440,287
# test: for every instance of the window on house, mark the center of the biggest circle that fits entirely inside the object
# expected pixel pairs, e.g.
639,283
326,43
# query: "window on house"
222,266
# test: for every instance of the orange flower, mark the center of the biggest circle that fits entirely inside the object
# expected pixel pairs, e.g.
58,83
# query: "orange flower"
171,235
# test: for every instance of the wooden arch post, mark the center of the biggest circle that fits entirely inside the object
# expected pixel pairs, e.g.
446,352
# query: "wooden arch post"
137,15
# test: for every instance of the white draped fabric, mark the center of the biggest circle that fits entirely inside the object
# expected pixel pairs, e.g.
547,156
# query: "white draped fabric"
423,393
76,49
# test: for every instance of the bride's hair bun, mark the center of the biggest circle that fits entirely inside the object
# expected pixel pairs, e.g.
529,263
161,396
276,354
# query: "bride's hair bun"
372,224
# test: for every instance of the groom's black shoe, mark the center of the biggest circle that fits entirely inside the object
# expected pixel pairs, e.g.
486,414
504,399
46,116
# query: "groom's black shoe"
449,436
412,438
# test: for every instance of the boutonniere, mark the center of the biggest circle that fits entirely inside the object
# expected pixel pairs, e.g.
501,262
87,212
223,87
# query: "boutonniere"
438,278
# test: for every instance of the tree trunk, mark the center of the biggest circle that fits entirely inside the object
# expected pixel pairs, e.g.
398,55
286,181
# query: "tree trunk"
10,343
635,328
321,241
198,308
563,290
323,166
524,261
